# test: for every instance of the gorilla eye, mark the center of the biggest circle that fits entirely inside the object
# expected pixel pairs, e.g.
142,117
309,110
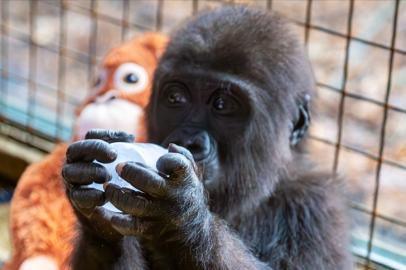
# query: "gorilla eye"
176,97
175,94
131,78
219,104
224,105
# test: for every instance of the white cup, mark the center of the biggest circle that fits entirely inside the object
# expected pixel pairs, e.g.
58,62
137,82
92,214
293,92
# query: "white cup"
147,153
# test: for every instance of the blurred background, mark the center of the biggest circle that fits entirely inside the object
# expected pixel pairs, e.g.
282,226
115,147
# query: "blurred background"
50,49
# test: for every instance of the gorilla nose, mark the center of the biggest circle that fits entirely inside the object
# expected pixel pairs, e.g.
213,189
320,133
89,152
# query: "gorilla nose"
195,140
199,146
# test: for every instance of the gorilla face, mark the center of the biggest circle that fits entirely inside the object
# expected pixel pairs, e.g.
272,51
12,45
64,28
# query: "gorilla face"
204,114
232,89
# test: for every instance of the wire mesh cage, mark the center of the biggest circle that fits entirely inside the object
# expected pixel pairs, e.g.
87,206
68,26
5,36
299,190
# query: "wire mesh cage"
50,49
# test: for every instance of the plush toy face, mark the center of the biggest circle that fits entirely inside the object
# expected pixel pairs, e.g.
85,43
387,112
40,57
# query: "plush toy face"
122,87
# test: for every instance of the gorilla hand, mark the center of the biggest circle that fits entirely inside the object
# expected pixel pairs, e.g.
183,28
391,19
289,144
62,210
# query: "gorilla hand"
173,202
79,171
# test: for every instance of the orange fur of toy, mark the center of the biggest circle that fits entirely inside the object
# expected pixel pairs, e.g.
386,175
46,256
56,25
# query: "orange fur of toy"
145,51
42,220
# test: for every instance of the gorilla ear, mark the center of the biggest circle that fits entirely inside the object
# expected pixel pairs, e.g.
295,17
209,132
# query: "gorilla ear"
302,123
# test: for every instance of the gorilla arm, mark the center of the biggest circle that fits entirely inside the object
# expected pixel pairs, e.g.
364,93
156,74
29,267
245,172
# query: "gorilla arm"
178,228
171,218
99,245
288,231
299,227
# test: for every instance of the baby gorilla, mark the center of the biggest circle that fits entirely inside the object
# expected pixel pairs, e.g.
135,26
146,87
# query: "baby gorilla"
234,88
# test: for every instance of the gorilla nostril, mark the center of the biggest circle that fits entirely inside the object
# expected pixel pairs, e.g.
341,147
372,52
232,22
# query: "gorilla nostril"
194,149
199,150
197,141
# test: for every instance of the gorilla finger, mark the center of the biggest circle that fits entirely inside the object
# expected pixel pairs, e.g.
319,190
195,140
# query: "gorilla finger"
85,173
102,217
175,165
100,224
130,226
85,200
174,148
129,201
88,197
142,177
110,136
89,150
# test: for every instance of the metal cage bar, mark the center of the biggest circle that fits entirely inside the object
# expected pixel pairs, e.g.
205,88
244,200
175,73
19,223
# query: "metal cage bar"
343,91
382,137
93,38
32,70
61,70
4,55
126,19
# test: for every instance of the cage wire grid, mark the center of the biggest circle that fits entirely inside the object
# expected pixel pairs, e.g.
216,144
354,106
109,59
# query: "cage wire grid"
28,134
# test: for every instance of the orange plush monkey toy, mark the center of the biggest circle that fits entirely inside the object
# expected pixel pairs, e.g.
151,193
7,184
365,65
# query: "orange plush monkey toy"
42,220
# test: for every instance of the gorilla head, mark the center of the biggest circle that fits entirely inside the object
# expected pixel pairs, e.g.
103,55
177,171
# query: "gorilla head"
233,87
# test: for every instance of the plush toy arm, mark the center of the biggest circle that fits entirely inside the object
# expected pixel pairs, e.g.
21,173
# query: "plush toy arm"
42,219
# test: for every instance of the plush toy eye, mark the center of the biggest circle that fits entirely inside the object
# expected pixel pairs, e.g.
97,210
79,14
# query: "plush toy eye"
100,80
97,82
130,77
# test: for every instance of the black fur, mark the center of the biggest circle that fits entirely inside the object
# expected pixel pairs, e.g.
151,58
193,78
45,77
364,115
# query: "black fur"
262,206
263,189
